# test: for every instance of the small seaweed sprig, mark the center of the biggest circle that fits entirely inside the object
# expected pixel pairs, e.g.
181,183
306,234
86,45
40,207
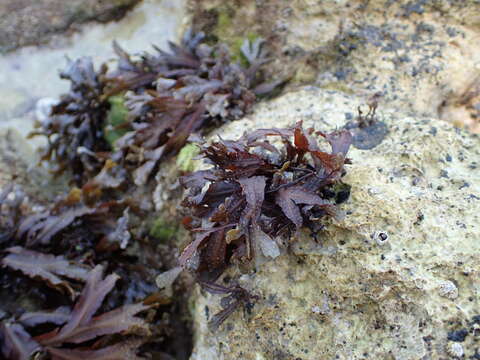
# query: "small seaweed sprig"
74,130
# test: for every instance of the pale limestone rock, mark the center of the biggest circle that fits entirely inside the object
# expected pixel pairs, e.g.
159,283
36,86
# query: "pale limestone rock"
19,165
424,56
16,156
346,297
30,74
448,289
455,349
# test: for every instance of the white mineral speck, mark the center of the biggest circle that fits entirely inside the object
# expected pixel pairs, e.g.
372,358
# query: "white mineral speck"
448,289
455,349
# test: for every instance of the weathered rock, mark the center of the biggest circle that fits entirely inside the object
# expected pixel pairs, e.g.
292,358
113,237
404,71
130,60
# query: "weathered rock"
19,166
26,22
16,156
421,55
398,278
30,74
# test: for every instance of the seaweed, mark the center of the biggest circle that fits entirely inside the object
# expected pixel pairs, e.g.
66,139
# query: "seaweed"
45,266
236,296
111,131
124,350
75,128
16,343
105,218
80,326
255,193
58,245
155,101
196,87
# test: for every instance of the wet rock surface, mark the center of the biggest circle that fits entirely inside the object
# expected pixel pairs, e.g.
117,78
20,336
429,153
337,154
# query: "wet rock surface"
25,22
396,279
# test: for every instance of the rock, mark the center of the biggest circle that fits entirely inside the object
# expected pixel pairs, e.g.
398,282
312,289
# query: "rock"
25,22
355,295
448,289
421,55
455,350
29,78
19,166
16,156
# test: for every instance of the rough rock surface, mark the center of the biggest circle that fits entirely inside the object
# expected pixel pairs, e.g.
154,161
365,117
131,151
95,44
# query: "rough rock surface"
19,165
29,77
398,278
421,55
27,22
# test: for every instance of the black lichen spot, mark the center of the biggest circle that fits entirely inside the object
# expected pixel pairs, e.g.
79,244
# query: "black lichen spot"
366,138
366,130
414,7
342,193
464,185
420,218
339,193
457,336
444,174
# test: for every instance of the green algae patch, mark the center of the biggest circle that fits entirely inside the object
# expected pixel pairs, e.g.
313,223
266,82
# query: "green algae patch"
227,29
185,158
116,117
162,230
236,44
224,21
